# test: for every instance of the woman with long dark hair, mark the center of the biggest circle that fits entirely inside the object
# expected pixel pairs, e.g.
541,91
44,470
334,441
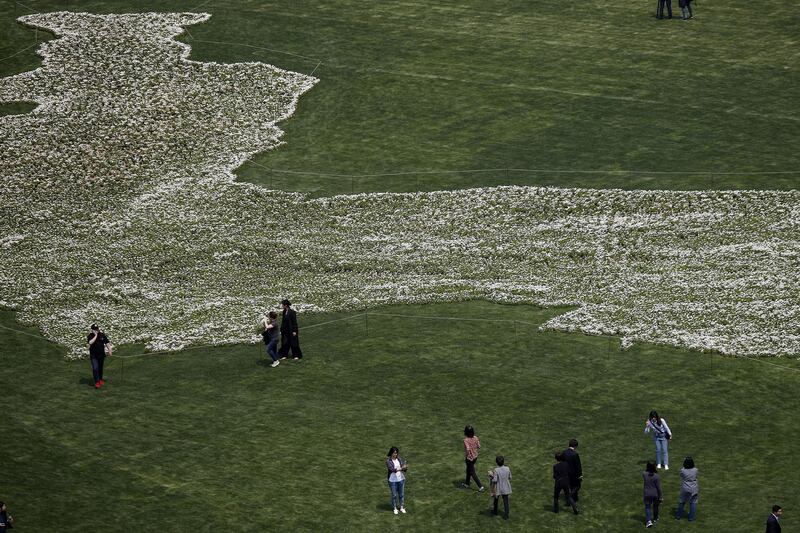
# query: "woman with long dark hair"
652,493
471,446
396,467
661,436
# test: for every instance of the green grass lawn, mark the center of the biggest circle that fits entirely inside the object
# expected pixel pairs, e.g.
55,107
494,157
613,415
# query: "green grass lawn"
213,439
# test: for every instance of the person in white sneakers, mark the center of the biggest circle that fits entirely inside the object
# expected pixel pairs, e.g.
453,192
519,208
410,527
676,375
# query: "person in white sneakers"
396,468
661,437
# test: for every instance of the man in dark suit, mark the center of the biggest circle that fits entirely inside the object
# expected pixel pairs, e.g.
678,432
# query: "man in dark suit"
773,526
289,332
575,469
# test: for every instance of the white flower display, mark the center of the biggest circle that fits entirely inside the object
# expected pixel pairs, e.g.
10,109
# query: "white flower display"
119,206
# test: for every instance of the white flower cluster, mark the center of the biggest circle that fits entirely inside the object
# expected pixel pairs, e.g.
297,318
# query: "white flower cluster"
119,207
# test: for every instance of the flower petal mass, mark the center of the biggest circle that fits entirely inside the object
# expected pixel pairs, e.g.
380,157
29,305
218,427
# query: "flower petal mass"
120,207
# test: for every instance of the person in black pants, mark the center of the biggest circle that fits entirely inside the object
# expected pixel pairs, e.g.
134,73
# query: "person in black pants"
97,341
561,483
660,11
6,520
289,331
575,468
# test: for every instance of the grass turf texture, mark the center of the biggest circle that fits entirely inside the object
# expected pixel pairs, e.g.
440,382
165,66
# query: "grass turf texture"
211,439
214,439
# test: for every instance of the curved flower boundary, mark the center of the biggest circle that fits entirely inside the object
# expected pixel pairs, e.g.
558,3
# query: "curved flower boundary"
122,209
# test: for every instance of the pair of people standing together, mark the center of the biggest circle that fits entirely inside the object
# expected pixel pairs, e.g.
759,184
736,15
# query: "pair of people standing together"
288,334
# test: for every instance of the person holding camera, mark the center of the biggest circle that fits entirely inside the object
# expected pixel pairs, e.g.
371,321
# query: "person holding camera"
661,436
6,520
99,348
396,468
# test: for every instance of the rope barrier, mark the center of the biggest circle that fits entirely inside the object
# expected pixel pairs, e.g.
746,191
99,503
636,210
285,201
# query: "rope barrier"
362,315
529,170
19,52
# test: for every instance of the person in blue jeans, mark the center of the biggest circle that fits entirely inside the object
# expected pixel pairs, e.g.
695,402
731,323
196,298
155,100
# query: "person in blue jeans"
271,335
689,489
396,467
661,436
652,494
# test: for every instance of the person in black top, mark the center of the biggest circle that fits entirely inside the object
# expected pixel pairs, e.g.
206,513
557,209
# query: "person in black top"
270,335
6,520
575,468
561,483
289,332
97,354
773,520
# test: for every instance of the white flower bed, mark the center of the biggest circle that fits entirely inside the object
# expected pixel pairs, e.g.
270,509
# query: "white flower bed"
119,207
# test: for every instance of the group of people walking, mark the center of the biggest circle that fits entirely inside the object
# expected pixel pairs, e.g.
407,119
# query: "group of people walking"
568,477
685,5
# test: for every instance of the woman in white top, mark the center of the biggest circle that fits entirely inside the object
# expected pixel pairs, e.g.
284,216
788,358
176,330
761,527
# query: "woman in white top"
396,467
661,436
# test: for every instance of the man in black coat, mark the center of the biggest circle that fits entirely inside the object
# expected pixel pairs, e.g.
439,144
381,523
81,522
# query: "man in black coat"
561,483
289,329
773,525
575,469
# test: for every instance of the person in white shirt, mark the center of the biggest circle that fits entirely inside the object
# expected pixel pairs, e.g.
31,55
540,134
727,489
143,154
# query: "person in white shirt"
396,467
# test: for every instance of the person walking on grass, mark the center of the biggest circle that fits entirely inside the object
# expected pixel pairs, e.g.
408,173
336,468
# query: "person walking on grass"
561,483
289,331
689,489
500,481
651,493
396,467
575,469
270,334
471,446
661,437
99,348
773,520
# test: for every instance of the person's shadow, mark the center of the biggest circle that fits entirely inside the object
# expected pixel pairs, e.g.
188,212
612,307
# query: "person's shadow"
86,381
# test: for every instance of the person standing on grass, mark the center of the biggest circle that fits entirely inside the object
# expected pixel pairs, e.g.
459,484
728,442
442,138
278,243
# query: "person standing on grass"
689,489
575,468
270,334
652,494
561,483
661,437
471,446
289,330
99,348
773,520
500,481
396,467
6,520
660,10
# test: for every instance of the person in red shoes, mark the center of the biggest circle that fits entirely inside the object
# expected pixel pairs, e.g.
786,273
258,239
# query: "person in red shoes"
99,347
